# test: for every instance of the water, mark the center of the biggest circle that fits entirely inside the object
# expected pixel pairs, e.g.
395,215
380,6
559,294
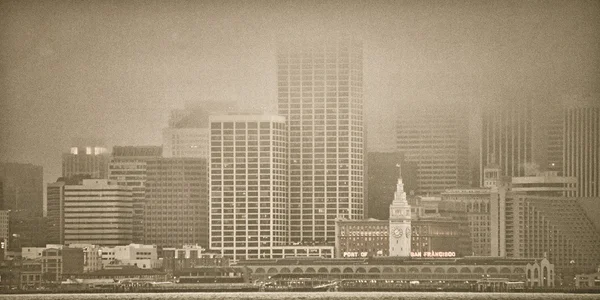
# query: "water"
307,296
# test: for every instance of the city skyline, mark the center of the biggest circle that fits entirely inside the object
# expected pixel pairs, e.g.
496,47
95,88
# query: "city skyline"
82,76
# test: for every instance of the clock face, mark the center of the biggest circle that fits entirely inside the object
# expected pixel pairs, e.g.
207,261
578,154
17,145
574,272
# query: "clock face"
397,232
408,232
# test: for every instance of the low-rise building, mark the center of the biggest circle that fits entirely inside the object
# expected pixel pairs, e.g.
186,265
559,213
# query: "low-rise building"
141,256
534,273
588,280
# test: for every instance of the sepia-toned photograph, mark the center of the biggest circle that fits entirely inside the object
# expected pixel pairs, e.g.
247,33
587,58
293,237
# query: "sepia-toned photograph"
300,149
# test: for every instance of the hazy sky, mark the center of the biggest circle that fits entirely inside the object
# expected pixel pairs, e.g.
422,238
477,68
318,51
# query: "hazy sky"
114,69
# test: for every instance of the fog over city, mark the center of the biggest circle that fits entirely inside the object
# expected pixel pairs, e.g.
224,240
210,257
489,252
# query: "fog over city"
115,69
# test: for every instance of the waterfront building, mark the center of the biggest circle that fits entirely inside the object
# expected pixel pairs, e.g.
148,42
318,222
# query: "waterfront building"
591,280
97,211
320,93
400,217
89,160
563,229
248,185
176,204
439,272
127,167
471,205
191,256
437,141
431,236
92,256
141,256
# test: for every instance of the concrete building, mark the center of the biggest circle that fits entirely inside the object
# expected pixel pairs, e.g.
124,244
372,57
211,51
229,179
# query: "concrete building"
127,167
89,160
563,229
141,256
248,185
437,141
320,93
97,212
176,205
544,183
582,149
473,206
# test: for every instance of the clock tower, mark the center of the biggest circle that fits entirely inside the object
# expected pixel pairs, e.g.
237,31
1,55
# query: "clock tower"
400,231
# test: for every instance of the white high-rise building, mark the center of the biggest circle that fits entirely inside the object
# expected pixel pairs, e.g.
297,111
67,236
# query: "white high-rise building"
248,185
128,167
320,92
400,223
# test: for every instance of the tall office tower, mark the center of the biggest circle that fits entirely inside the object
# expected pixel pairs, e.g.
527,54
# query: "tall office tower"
472,205
582,149
382,175
507,138
554,131
248,185
176,205
98,212
563,229
187,134
86,160
23,189
320,92
127,167
438,142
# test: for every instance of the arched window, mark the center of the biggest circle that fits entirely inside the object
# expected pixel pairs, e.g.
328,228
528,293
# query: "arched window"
465,270
452,270
439,270
260,271
348,270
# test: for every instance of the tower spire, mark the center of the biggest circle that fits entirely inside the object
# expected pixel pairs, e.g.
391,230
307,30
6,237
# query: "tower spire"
399,195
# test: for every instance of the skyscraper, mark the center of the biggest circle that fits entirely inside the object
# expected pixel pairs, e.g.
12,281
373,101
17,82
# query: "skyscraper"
248,185
581,148
320,92
176,205
437,141
507,138
127,167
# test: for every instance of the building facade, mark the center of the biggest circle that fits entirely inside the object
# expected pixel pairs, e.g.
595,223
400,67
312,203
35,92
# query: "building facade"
320,93
127,167
582,149
248,185
437,141
86,160
98,212
472,206
559,228
544,183
141,256
176,205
